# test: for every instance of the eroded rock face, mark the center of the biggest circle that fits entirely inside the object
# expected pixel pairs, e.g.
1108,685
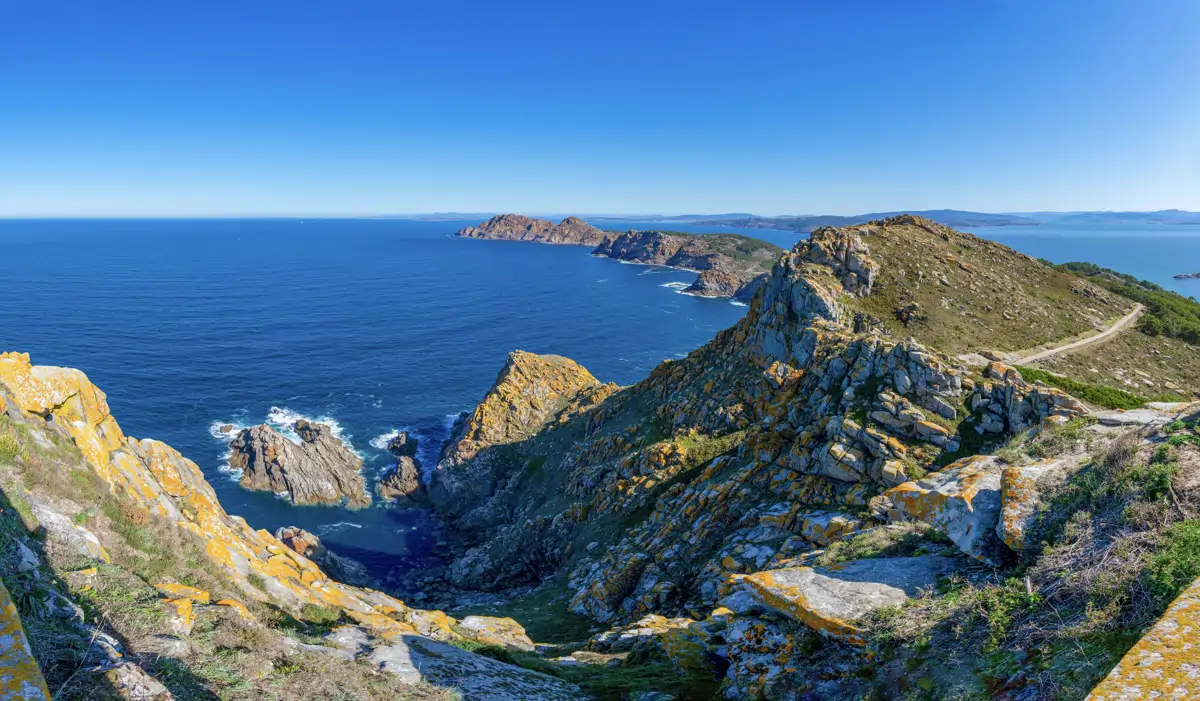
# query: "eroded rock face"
343,569
571,231
318,470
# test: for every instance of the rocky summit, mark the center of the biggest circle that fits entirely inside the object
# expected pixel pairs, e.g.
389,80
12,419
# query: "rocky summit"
318,469
820,503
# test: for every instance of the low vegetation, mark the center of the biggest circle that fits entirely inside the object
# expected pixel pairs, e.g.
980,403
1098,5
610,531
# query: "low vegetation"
1167,313
1100,395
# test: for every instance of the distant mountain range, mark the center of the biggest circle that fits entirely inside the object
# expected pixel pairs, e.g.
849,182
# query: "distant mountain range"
959,219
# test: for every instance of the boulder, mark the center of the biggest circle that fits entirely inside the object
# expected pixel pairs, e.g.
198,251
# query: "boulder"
320,469
962,500
403,444
489,630
830,599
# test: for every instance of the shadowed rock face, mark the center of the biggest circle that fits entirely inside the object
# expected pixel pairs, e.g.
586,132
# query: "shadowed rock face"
318,470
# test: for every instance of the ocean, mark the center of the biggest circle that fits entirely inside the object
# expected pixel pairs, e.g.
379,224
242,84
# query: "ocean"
372,326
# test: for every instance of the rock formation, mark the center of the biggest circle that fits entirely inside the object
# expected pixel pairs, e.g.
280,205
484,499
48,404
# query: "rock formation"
64,419
342,569
730,265
571,231
320,469
403,483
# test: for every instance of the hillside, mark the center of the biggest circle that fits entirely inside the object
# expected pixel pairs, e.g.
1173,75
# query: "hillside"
805,224
806,505
824,501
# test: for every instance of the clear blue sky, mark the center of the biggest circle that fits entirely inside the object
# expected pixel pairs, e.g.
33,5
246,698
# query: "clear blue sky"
264,108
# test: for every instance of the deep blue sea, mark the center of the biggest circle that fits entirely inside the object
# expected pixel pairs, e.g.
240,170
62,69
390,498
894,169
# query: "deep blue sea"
371,325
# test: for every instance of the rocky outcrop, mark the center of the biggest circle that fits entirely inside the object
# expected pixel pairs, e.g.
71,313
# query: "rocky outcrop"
320,469
403,483
571,231
729,265
342,569
155,480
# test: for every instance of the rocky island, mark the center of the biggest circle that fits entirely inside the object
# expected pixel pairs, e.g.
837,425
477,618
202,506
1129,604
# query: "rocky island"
403,482
1188,276
320,469
571,231
729,265
836,498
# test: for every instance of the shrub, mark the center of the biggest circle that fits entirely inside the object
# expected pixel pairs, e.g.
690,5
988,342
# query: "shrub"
1100,395
1177,562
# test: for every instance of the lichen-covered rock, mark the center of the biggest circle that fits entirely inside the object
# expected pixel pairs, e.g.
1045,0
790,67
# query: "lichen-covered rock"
830,599
1164,663
320,469
962,500
20,678
343,569
489,630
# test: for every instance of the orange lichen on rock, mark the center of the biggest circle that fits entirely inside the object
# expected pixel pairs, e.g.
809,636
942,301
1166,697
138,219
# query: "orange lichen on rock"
1165,663
20,678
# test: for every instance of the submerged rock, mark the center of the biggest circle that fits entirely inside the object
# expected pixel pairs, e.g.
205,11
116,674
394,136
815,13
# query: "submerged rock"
320,469
343,569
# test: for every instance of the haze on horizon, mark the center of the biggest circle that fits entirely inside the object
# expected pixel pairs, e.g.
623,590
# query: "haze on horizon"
137,108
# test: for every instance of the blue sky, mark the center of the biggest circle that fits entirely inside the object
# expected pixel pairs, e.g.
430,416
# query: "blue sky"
358,108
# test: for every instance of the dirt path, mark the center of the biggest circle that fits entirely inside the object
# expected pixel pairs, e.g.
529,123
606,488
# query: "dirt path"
1103,335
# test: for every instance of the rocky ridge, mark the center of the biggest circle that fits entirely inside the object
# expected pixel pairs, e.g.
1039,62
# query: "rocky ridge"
571,231
320,469
713,487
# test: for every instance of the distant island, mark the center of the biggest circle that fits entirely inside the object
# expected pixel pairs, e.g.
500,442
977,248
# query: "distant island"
729,265
1188,276
805,224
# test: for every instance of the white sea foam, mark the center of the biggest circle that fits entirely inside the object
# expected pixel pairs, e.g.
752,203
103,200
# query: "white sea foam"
676,285
331,527
381,441
736,303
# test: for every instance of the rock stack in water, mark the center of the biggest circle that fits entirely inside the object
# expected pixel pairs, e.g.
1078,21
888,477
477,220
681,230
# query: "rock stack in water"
404,482
320,469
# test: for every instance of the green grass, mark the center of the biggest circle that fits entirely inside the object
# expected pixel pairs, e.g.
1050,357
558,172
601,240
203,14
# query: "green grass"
1100,395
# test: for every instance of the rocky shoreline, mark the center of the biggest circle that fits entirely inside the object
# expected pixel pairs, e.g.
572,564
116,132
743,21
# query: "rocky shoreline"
728,265
1188,276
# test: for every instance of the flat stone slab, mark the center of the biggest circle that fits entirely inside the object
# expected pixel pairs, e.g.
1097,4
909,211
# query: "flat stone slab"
1134,417
829,599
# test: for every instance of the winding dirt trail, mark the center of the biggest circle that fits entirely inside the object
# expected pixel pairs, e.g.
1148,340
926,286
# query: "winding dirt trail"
1103,335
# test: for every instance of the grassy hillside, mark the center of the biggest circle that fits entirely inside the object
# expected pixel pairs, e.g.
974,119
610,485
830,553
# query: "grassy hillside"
1167,313
960,293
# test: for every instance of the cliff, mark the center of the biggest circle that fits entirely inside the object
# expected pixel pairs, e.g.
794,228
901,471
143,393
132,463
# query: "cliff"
571,231
131,581
800,506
